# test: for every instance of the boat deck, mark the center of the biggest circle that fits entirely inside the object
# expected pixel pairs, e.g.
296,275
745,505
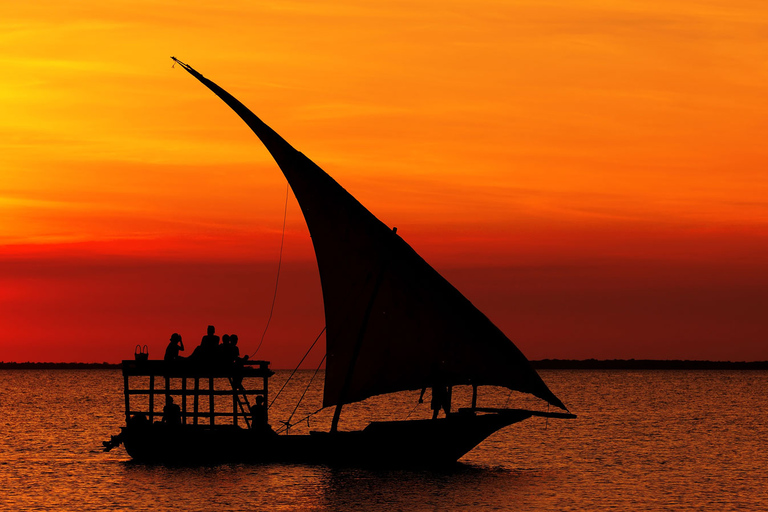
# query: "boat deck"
226,390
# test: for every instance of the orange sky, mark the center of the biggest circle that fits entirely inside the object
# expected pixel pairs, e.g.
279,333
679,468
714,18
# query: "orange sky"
591,174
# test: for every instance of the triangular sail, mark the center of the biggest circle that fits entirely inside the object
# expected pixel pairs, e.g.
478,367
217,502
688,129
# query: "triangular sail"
393,322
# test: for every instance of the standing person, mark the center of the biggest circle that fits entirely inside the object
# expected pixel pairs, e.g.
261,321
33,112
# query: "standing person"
447,400
172,351
441,399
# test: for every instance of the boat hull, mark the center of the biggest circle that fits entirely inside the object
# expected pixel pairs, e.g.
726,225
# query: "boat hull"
389,443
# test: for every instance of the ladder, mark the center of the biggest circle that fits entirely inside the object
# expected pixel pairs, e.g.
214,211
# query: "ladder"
242,401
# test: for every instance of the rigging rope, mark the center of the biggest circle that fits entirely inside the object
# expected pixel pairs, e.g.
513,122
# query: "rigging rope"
297,367
509,395
414,408
288,421
277,279
283,429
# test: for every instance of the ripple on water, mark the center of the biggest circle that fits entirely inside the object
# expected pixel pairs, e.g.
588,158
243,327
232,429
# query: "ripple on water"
644,440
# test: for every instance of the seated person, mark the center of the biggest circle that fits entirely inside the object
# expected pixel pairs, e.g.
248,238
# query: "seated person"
259,418
234,350
171,412
172,351
222,351
207,348
210,340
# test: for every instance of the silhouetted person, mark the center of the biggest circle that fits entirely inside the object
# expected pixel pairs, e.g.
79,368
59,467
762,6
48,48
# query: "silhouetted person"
208,346
223,350
259,417
172,351
232,357
234,350
439,395
210,340
171,412
441,399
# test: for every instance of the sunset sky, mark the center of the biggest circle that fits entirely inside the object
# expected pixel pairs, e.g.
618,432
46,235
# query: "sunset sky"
593,175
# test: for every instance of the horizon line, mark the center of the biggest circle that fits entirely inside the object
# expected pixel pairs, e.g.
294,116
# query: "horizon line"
539,364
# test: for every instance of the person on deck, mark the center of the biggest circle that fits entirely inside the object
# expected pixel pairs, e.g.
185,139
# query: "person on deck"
171,412
208,346
259,417
172,351
447,400
234,350
233,356
223,350
439,396
210,341
441,399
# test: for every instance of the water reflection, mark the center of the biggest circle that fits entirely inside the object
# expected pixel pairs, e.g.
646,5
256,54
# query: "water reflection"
302,487
463,487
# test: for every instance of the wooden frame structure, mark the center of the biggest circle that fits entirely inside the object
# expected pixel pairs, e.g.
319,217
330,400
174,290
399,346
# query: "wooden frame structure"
183,379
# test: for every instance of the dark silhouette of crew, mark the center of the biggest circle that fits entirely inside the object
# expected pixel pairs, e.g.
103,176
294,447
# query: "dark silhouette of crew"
234,350
259,417
222,351
210,341
208,346
441,398
171,412
172,351
447,400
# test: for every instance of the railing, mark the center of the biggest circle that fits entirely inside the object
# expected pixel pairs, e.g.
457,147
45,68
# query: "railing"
222,380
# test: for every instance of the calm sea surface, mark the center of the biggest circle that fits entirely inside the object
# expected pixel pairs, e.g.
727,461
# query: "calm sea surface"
644,440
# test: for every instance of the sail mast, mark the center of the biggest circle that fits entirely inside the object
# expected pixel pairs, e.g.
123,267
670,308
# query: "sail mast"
355,353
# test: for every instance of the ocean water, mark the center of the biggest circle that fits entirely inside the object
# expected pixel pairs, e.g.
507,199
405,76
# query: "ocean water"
644,440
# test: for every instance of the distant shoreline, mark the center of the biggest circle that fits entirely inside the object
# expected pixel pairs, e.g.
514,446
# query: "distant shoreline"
58,366
542,364
645,364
